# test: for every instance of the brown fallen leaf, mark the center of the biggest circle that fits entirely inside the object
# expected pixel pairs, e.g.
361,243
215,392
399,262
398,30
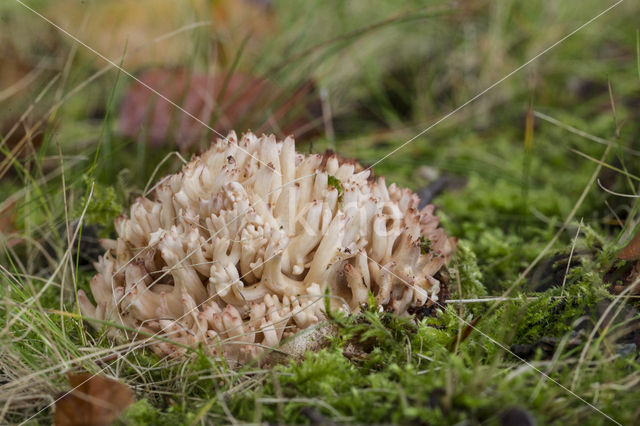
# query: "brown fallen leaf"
8,224
239,101
19,141
16,73
94,400
632,250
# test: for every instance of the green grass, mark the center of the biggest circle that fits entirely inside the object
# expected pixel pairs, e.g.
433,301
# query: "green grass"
388,72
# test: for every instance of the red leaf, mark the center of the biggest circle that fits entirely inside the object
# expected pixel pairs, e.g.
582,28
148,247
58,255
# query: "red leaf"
242,102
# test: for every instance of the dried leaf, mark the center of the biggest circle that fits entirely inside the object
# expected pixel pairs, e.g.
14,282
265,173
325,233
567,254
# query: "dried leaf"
8,224
16,73
19,140
239,101
632,250
94,400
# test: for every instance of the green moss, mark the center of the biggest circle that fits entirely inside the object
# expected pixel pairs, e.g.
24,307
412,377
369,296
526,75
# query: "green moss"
425,245
551,315
335,182
103,207
468,271
142,413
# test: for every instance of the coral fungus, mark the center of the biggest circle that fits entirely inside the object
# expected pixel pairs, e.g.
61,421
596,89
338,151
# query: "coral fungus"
238,250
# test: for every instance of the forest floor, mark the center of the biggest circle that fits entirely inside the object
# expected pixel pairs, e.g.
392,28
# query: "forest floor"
519,121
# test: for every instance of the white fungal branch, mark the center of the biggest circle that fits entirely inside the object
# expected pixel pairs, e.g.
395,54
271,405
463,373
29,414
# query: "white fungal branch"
236,250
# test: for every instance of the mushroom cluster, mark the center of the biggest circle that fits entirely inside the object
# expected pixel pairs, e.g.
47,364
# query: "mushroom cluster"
239,250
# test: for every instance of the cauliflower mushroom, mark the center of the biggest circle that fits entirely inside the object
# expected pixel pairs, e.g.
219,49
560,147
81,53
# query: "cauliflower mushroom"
238,249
